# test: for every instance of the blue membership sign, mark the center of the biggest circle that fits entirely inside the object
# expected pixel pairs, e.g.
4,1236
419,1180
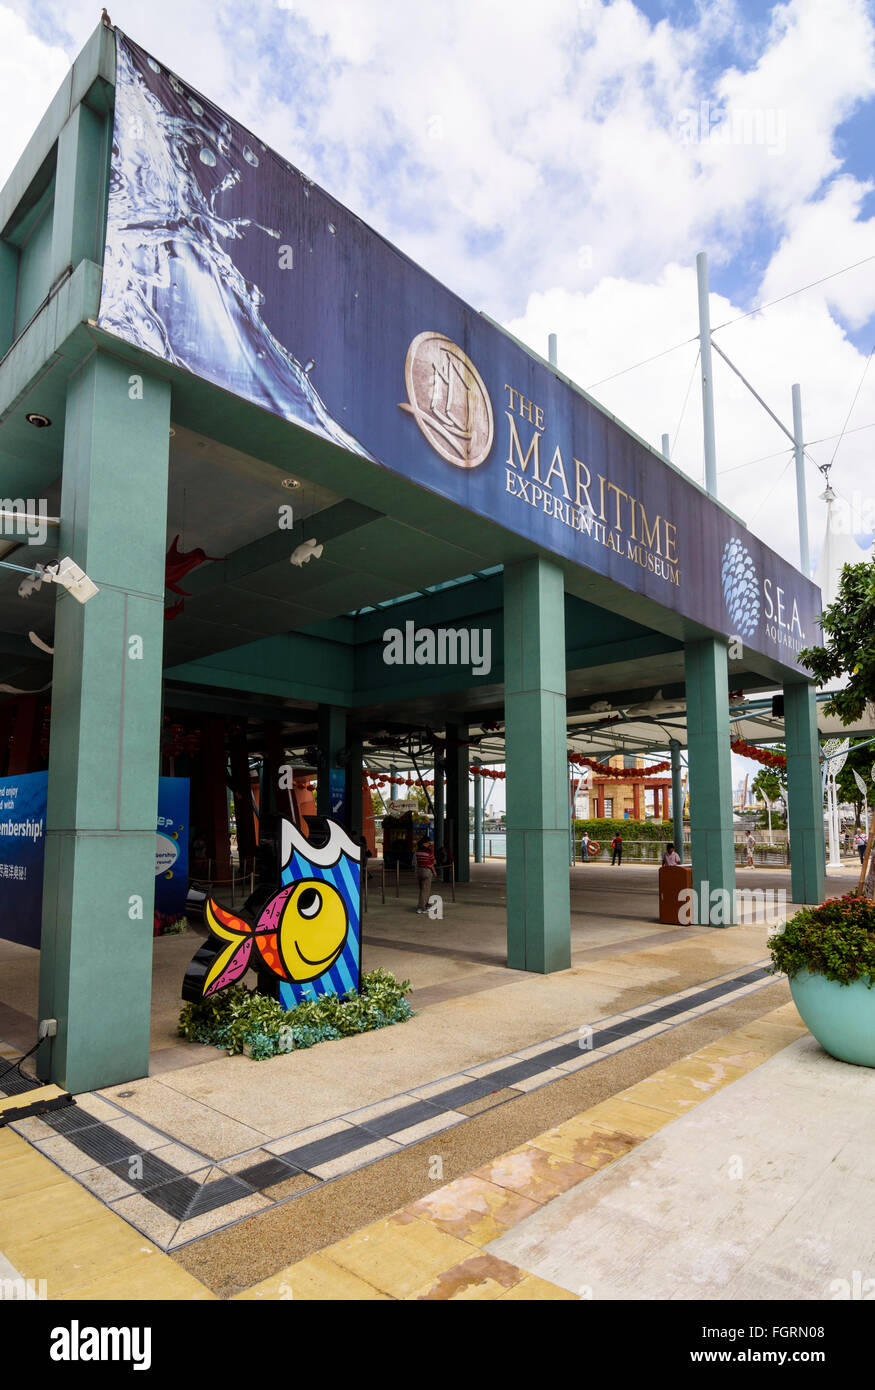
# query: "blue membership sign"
22,850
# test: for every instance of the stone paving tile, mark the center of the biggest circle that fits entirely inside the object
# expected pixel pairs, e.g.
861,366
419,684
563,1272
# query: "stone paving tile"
444,1119
207,1221
477,1107
400,1256
534,1172
345,1163
532,1289
388,1118
315,1278
542,1078
586,1142
317,1153
311,1135
477,1277
66,1154
473,1209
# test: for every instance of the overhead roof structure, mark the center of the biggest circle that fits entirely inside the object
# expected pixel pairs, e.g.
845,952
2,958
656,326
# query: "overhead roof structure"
278,448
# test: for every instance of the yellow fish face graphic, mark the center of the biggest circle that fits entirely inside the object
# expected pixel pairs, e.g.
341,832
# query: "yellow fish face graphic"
312,929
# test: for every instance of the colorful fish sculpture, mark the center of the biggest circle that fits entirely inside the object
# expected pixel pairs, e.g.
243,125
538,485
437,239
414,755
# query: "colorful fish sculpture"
303,940
298,936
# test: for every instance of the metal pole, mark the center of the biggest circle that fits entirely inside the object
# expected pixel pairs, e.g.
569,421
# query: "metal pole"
393,772
677,797
832,822
478,815
707,376
801,500
552,352
439,803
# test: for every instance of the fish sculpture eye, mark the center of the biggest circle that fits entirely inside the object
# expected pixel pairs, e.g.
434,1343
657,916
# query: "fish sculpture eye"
310,903
313,929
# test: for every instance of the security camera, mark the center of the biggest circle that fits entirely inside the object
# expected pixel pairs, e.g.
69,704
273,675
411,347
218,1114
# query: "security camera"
74,580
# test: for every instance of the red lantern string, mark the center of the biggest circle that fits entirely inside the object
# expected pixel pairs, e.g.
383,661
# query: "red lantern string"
758,755
624,774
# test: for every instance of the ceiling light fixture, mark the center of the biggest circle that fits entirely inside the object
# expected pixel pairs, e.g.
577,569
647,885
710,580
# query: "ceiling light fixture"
291,483
39,422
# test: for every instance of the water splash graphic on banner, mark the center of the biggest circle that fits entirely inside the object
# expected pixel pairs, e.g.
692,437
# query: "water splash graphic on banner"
170,285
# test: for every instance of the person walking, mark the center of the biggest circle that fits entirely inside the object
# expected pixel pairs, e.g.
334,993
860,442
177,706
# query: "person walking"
584,847
424,872
617,849
750,846
860,844
670,857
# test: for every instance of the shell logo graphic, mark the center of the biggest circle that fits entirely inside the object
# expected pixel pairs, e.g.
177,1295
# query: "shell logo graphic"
740,587
447,397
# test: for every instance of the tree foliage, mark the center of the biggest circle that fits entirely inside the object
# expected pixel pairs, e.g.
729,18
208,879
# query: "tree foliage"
849,643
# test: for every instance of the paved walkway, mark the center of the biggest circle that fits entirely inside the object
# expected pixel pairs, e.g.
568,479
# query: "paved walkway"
448,1160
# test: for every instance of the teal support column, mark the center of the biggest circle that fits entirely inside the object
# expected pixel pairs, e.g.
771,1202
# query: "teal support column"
330,775
478,817
77,217
538,894
712,845
99,880
677,797
458,797
804,794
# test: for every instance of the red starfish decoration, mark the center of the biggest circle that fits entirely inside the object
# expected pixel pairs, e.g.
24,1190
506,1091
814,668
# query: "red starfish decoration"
179,563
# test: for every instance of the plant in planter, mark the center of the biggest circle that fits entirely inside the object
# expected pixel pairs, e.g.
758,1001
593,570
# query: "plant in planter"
828,955
243,1020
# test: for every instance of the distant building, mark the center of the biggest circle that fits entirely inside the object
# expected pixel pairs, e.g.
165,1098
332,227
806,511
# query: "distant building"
636,796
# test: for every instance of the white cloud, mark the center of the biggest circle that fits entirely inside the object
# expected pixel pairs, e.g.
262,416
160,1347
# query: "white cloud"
621,321
535,159
30,73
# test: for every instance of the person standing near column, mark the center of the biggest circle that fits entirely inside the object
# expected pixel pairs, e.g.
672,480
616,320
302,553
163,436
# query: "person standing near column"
584,847
750,845
424,872
617,849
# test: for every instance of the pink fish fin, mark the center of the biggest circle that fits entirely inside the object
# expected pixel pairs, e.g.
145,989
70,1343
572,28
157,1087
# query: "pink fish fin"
229,965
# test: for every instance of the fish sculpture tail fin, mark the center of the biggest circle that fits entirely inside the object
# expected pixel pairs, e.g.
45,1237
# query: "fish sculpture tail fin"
231,962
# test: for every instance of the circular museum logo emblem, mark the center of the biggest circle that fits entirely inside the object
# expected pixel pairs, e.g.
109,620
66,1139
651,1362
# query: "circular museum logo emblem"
740,587
448,400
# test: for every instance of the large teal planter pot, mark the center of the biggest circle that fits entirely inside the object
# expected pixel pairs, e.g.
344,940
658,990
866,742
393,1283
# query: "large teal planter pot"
841,1017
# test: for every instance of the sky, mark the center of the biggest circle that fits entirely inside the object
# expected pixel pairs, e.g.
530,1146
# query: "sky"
559,165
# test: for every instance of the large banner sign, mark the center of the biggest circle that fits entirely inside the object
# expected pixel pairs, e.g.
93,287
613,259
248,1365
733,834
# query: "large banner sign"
23,846
225,260
22,851
171,850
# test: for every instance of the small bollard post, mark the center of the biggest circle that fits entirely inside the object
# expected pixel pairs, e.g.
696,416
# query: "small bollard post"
453,879
383,882
397,879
